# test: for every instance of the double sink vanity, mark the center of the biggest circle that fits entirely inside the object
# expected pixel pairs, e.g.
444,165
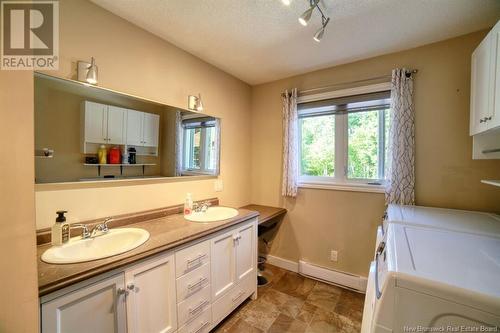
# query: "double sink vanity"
151,272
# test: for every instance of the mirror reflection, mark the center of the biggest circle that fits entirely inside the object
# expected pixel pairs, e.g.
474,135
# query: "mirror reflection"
87,133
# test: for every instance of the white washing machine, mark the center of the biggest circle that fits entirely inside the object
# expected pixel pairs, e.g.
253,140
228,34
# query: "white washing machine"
433,280
479,223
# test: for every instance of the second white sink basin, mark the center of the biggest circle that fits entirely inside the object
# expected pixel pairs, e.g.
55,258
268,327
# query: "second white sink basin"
116,241
212,214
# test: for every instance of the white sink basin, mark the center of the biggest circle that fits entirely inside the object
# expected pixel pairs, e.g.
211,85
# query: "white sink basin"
114,242
212,214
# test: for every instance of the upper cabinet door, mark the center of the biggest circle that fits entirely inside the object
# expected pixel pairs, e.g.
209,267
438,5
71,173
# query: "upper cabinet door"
245,251
494,122
96,122
480,87
223,258
151,129
134,128
151,300
116,125
99,307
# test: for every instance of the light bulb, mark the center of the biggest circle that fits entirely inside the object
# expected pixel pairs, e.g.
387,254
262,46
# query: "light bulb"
286,2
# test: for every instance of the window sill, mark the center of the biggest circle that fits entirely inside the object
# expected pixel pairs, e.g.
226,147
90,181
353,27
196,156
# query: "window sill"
352,187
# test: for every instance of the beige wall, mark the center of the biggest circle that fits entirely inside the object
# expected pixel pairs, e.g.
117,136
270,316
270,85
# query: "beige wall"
19,291
134,61
446,175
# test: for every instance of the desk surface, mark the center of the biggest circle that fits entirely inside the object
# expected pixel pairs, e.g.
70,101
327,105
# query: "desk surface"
266,212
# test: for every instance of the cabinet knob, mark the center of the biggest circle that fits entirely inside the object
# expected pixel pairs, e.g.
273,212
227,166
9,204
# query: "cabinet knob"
130,286
482,120
121,291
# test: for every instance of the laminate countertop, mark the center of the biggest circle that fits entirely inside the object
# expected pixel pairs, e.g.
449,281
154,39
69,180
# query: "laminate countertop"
165,233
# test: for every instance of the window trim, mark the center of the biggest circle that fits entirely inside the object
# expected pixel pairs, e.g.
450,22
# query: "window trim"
340,181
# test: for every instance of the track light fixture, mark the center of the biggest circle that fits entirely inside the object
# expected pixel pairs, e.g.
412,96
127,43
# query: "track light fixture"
306,17
319,34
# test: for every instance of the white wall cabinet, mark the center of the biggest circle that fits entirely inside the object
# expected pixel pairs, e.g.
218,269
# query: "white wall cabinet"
103,124
134,128
107,124
190,290
151,297
99,307
150,129
485,84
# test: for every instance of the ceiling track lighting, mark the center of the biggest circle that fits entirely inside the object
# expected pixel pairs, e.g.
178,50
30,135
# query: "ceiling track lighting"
306,17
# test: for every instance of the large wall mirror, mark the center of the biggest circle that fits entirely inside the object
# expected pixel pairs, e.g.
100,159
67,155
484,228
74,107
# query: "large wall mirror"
86,133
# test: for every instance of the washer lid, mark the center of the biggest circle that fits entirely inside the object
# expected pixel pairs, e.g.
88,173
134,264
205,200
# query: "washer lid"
449,219
458,266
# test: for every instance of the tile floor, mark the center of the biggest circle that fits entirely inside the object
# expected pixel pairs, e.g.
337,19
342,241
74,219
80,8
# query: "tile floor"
295,304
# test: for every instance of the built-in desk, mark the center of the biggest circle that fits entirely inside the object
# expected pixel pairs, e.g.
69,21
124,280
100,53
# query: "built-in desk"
267,213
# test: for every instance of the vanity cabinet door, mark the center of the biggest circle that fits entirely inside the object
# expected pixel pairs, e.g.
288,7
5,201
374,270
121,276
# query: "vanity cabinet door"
97,308
245,251
116,125
96,122
134,128
223,258
151,129
151,297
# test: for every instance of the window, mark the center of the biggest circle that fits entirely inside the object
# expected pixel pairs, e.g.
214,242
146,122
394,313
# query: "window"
199,145
343,140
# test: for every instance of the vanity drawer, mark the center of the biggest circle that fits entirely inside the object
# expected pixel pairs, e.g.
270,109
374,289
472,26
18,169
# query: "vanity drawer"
201,324
193,306
227,303
190,258
193,282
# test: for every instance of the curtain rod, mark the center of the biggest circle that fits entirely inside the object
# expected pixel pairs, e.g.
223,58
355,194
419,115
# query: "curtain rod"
408,74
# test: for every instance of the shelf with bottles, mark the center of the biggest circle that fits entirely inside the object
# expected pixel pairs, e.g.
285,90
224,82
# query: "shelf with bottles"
120,165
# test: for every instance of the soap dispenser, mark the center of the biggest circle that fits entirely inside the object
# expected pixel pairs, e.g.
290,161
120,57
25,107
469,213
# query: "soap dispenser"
188,204
60,229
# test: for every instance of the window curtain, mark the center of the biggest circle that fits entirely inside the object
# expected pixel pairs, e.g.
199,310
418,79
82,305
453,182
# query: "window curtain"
290,143
400,188
178,144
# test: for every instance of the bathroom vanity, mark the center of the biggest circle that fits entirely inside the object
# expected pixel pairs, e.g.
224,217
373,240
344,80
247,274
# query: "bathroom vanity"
186,278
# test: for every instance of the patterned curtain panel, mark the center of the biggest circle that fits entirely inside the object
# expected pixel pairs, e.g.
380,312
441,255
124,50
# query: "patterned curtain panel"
290,143
400,187
178,144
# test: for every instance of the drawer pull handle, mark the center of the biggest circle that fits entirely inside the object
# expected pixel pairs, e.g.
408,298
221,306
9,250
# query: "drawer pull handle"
197,284
201,327
196,260
238,296
198,307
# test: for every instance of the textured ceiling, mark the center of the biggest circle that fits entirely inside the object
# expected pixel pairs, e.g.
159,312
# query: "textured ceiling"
261,40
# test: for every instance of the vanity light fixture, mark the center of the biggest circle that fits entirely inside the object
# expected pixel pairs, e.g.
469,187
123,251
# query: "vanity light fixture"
87,72
195,103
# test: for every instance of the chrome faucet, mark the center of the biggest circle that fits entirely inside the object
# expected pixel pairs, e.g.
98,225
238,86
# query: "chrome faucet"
201,207
84,227
101,227
86,233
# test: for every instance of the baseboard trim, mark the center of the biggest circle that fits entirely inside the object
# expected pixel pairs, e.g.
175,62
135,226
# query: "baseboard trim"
283,263
343,279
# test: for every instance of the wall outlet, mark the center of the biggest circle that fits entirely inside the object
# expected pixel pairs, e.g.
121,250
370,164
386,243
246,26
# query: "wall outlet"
333,255
218,185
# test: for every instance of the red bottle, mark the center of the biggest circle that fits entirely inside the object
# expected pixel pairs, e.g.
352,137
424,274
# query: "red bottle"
114,156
